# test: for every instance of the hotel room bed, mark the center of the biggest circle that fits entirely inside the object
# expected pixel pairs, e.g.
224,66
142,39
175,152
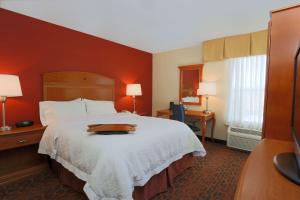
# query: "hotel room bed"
136,165
112,165
157,184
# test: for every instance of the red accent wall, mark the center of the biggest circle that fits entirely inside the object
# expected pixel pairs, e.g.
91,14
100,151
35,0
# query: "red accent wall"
31,47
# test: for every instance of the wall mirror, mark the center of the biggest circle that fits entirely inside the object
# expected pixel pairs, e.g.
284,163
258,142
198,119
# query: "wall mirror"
190,76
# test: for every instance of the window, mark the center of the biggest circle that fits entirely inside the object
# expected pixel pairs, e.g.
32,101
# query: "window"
246,91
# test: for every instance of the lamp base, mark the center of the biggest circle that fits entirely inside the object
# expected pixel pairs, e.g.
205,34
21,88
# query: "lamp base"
207,111
5,128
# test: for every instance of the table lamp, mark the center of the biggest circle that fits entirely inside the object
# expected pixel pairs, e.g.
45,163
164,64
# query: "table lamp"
133,90
9,87
207,89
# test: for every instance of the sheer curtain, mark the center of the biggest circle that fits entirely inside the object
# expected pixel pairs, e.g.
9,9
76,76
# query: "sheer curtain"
246,91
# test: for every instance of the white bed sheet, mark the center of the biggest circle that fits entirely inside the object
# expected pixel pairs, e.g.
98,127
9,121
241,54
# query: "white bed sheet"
111,165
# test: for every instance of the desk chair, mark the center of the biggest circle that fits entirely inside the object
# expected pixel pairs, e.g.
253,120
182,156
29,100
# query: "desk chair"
178,114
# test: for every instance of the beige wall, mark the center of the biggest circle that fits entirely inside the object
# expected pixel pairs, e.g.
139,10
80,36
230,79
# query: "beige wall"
166,82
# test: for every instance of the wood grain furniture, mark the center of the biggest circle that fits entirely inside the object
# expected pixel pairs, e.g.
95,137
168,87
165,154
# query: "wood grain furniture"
71,85
260,179
284,37
190,76
64,86
204,118
18,153
103,128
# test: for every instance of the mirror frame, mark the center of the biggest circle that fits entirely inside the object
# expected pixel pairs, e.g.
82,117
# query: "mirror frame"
198,67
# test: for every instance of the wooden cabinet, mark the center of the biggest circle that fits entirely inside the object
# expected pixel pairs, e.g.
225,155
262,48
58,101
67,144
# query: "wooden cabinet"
18,153
19,139
260,180
284,40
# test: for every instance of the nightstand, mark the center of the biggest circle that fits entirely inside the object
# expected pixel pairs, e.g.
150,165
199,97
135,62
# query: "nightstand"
18,153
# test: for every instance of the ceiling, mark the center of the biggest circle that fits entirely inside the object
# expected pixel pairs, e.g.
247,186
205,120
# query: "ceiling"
153,25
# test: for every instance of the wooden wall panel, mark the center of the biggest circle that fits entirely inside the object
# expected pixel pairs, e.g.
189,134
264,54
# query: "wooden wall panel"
284,42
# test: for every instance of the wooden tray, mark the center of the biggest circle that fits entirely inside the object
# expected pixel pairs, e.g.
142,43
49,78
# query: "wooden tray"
111,128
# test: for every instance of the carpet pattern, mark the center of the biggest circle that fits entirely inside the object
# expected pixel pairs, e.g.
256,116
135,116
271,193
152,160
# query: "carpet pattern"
213,177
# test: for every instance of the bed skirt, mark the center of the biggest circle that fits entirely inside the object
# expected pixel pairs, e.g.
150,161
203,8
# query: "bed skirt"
157,184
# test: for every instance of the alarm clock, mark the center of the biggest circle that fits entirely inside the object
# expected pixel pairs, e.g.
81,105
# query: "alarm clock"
24,123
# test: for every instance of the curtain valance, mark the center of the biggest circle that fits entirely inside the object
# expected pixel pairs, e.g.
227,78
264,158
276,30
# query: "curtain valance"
236,46
259,43
213,49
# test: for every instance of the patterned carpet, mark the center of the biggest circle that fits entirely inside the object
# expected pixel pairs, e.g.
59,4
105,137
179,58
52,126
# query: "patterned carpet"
213,177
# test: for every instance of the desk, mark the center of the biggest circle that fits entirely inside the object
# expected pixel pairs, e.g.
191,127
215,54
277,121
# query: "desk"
203,117
260,179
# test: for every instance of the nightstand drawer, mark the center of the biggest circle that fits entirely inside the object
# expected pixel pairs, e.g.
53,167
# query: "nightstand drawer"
19,140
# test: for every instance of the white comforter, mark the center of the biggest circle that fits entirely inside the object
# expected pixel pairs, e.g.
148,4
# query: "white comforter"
112,165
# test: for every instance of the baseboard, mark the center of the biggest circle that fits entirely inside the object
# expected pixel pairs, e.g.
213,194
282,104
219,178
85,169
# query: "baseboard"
223,142
218,141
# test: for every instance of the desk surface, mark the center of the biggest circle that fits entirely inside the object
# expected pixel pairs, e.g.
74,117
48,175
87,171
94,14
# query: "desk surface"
260,179
187,112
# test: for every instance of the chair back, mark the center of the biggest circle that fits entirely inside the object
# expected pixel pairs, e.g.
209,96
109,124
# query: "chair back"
178,112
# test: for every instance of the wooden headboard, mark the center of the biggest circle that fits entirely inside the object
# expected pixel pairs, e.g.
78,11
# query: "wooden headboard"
64,86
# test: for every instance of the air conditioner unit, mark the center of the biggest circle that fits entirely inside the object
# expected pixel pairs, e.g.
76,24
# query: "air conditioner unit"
242,138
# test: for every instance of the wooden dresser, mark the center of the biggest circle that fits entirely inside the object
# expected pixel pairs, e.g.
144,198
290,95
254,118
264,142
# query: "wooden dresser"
260,180
18,153
284,41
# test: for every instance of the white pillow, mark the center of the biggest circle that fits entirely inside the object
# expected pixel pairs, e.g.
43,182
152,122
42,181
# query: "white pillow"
99,107
59,110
